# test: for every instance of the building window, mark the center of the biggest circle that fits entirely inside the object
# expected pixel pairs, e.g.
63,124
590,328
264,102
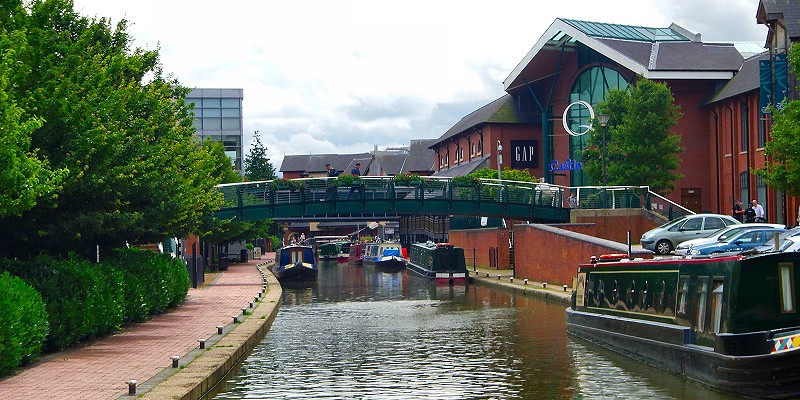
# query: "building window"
744,187
762,132
745,122
761,192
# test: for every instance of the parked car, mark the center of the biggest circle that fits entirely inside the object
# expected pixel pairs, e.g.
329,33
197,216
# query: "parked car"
662,240
743,241
788,241
683,248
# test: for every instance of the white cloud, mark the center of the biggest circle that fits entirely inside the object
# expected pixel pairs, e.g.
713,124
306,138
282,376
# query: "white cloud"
336,76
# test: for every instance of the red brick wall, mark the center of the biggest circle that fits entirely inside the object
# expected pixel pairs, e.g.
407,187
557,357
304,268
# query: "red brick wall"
481,240
615,224
552,255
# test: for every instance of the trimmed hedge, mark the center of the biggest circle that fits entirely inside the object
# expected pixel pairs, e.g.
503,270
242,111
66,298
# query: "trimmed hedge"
23,324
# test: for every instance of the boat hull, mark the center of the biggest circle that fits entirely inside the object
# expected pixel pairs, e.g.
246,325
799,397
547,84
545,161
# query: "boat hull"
456,277
771,375
296,273
393,263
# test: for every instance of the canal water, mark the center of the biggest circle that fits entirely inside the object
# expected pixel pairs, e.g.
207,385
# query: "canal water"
359,333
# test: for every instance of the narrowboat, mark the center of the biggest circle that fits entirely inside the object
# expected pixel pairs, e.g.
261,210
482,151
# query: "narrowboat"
442,262
329,251
295,263
356,253
344,251
727,321
384,255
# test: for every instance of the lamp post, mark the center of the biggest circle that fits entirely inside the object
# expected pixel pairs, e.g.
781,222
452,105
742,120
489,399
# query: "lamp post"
499,165
603,120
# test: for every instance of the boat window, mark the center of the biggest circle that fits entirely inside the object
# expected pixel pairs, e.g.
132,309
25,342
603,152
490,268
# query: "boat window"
684,295
629,299
662,288
615,294
786,272
702,302
643,299
716,305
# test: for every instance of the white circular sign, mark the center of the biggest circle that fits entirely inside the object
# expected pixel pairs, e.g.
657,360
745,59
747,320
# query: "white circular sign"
583,129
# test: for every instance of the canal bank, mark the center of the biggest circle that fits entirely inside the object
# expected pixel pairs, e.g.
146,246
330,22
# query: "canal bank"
505,279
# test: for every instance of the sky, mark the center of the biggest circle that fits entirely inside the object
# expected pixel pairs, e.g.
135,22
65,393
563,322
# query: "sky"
337,76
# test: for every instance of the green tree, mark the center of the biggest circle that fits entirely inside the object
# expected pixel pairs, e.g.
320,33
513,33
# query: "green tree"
640,149
116,123
256,165
783,160
519,175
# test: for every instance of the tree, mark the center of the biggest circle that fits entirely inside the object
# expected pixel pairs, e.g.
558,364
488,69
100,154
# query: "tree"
640,149
256,165
519,175
118,127
783,160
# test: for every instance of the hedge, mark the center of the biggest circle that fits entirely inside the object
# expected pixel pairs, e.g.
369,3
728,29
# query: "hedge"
23,323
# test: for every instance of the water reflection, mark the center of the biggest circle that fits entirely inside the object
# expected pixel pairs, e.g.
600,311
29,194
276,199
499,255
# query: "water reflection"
359,333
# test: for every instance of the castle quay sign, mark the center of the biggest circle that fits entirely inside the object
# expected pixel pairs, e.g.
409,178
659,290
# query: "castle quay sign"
567,165
524,154
582,128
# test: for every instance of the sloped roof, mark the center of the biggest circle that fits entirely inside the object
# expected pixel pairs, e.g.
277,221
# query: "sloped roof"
315,163
503,110
748,78
420,157
787,11
655,53
464,169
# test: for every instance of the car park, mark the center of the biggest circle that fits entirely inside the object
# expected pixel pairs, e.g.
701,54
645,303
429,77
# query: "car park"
662,240
683,248
743,241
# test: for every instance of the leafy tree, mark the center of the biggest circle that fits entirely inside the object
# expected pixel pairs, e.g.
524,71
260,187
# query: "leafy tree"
115,124
224,169
256,164
783,160
519,175
640,149
23,177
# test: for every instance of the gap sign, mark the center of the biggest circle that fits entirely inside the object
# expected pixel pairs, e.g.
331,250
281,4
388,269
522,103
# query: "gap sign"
524,154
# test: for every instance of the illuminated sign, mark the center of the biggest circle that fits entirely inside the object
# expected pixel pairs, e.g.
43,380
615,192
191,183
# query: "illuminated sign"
567,165
582,128
524,154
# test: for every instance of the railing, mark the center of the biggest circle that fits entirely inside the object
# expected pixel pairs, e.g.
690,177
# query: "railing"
616,197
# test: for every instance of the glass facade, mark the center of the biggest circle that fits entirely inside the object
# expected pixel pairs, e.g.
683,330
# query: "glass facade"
218,117
591,87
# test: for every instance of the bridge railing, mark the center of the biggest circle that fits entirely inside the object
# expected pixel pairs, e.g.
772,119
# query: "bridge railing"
616,197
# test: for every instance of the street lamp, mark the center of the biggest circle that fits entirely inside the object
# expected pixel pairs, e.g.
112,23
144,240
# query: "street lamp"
499,158
603,120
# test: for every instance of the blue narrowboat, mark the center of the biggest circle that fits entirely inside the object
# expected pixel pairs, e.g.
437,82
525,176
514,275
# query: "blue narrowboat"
295,263
384,255
728,321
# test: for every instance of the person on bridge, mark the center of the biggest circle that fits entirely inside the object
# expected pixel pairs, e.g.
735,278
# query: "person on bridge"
356,171
331,172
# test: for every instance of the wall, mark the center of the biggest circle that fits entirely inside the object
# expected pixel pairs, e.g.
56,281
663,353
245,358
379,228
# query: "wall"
549,254
481,240
615,224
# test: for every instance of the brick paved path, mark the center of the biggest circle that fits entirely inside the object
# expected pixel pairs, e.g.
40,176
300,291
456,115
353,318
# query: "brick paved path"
101,369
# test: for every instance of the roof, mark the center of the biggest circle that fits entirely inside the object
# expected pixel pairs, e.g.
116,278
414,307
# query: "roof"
747,79
503,110
655,53
786,11
315,163
465,168
416,158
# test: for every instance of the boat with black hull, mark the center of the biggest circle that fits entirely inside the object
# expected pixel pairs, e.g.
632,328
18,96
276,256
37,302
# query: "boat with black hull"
442,262
295,263
728,321
384,255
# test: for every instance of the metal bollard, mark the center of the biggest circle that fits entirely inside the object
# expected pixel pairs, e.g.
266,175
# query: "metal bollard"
544,285
565,287
202,343
175,361
131,387
219,329
525,281
511,279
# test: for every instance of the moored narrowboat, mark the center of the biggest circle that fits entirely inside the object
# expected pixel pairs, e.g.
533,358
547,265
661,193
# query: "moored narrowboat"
328,251
356,254
729,321
344,251
295,263
442,262
384,255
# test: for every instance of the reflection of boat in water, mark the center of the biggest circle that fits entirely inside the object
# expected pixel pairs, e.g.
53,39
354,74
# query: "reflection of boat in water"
730,322
295,263
442,262
384,255
356,253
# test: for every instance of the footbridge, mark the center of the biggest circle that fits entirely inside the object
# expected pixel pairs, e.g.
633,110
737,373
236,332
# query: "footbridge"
327,197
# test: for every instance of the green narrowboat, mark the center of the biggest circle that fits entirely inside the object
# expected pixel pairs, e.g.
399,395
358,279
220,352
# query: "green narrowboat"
442,262
729,321
329,251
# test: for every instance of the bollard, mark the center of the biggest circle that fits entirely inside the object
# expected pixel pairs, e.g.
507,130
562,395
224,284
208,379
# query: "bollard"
175,361
498,276
219,329
487,274
544,285
525,281
235,319
252,304
511,279
131,387
244,310
202,343
565,287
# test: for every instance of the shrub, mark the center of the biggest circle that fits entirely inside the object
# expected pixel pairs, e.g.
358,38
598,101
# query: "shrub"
23,323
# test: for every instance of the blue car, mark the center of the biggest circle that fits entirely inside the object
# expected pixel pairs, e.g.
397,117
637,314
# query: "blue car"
738,243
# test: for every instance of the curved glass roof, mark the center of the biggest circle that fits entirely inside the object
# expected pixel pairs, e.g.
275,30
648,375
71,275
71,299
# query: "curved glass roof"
627,32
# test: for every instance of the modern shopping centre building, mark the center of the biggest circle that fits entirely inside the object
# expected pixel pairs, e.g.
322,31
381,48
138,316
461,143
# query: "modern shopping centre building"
723,90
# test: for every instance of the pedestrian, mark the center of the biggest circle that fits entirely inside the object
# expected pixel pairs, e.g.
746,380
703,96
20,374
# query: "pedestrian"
573,201
749,214
356,171
738,212
331,172
760,216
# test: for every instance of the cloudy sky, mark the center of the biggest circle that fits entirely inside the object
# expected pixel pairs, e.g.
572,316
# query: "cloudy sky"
339,76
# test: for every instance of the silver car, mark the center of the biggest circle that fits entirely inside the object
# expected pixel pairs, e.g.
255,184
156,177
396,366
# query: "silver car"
662,240
683,248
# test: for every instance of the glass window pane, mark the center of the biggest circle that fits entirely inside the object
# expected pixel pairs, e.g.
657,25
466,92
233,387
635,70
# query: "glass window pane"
212,112
230,123
212,124
230,103
231,112
787,287
196,123
211,103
